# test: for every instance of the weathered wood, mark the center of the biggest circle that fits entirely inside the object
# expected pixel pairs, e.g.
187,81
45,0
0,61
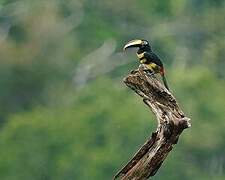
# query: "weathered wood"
171,123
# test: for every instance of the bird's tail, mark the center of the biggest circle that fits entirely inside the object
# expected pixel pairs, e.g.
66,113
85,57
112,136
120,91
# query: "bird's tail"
162,72
165,82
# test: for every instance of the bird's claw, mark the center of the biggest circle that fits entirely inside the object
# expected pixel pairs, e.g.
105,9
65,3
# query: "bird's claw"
149,73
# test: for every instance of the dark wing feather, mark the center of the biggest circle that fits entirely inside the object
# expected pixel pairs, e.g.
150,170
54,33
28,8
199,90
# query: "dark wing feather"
153,58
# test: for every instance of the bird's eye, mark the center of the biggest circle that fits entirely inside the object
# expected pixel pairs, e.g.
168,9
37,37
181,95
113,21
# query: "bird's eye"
145,42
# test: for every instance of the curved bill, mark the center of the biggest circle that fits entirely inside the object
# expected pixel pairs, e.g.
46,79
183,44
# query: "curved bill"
133,43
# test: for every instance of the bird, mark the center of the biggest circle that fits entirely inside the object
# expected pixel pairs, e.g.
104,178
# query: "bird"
148,58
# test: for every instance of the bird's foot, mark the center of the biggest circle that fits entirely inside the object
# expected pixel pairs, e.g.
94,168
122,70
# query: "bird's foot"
149,73
142,67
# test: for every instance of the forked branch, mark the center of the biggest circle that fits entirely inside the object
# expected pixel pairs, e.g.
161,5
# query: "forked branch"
171,123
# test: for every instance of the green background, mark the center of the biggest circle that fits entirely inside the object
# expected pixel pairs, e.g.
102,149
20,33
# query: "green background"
65,113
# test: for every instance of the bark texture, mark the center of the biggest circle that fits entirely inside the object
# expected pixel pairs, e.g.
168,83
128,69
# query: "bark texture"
171,123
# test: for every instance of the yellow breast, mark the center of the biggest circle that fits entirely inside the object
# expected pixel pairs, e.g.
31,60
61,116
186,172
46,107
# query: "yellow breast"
152,66
140,55
143,61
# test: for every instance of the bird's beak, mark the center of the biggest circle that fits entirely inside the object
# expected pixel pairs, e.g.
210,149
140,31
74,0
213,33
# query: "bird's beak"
133,43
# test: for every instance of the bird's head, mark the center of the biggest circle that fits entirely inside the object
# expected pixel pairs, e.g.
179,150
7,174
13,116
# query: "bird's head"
138,43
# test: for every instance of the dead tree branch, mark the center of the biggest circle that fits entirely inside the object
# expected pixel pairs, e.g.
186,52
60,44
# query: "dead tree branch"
171,123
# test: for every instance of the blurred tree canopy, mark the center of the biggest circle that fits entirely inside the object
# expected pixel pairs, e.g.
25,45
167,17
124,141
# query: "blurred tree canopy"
64,112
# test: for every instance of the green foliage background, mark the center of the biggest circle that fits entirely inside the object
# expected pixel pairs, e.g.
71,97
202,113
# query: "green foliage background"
64,111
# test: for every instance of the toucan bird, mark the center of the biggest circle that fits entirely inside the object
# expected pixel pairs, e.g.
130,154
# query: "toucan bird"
147,57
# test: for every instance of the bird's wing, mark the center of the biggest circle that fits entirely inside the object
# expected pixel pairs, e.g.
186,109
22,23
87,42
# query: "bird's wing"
152,57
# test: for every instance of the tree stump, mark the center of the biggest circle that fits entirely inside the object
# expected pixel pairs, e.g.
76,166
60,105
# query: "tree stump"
171,123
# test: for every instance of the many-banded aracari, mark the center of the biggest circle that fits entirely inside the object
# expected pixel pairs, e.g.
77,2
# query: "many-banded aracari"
147,57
